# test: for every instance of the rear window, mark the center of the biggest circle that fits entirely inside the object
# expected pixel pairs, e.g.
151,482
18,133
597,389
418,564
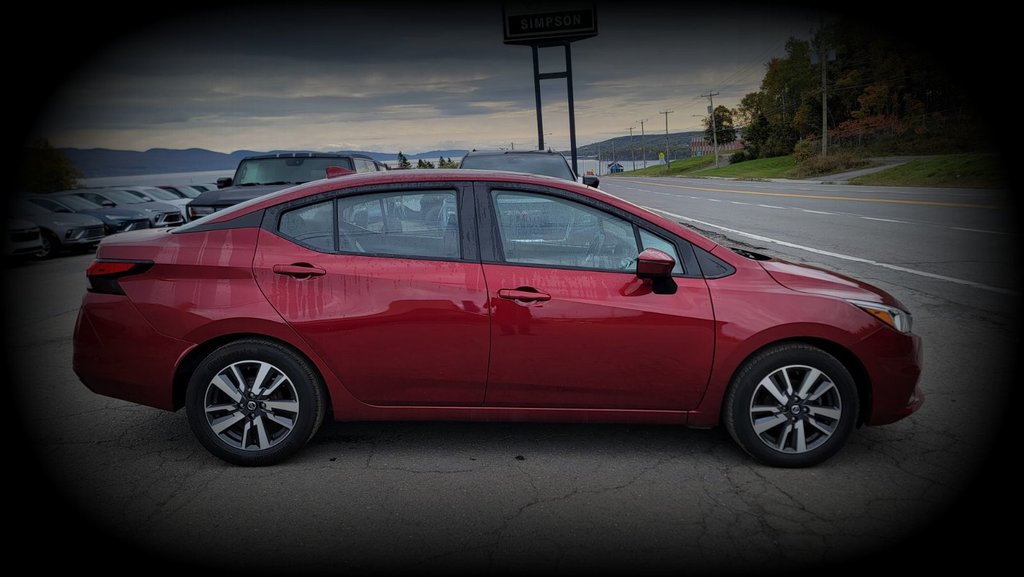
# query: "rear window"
543,164
286,170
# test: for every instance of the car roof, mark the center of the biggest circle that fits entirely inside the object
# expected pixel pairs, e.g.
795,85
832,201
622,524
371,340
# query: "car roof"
400,177
510,152
305,155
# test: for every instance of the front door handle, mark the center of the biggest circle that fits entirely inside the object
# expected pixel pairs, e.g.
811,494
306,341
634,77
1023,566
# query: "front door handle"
299,270
528,296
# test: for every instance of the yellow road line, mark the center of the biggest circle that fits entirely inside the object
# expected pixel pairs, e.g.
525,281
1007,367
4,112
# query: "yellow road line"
815,196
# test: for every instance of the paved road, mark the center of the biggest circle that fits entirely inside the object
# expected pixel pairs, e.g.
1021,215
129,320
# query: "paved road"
432,497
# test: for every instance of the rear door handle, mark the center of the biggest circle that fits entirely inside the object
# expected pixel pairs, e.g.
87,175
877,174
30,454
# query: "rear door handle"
299,270
529,296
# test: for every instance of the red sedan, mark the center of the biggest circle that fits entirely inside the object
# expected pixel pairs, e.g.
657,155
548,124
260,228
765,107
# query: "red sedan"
490,296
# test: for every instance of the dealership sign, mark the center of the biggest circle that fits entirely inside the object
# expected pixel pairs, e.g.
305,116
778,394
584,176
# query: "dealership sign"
549,23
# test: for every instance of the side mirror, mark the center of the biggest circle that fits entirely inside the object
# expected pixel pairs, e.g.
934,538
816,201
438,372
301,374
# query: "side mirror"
224,182
108,203
591,181
653,263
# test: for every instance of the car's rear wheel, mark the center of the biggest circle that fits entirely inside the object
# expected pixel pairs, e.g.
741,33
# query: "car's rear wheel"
254,402
791,405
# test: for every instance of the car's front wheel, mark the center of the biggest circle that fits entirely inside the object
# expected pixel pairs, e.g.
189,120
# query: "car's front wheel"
51,246
791,405
254,402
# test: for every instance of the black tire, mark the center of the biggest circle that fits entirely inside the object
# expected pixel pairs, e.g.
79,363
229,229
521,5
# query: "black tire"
262,414
51,245
776,446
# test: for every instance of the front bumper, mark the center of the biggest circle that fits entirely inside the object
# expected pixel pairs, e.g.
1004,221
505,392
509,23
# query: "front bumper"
893,362
84,236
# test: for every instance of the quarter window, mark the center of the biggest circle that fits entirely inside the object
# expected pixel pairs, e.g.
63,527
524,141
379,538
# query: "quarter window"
546,230
649,240
411,224
363,165
311,225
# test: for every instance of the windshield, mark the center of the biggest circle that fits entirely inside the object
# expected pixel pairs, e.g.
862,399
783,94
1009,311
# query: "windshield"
154,192
121,197
286,170
26,208
76,203
545,164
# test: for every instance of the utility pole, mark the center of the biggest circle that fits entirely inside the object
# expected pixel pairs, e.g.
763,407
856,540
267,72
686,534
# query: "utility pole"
666,113
632,152
643,146
714,127
823,54
613,154
824,101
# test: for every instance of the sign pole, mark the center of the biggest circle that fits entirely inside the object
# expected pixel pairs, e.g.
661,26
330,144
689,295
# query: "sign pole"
526,23
536,91
572,107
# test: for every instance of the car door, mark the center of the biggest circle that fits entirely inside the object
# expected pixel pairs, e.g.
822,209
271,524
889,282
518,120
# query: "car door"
572,325
386,286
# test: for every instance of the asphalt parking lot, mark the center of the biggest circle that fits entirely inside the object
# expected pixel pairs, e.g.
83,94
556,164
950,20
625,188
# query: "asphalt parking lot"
125,483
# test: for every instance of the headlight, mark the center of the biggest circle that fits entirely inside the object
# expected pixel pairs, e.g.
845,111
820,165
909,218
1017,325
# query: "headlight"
892,316
115,217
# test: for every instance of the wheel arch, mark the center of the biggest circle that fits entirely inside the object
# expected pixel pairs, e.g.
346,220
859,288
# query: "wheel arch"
846,357
46,232
189,362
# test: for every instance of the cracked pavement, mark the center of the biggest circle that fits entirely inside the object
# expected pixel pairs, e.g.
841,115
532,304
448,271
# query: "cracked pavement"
131,482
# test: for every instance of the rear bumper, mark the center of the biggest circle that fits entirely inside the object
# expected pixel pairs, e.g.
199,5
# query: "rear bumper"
893,363
107,327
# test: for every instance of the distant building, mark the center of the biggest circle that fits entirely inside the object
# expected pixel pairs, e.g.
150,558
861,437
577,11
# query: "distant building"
701,148
614,168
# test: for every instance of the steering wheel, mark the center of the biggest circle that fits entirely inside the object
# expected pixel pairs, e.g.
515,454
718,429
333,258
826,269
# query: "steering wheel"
594,248
347,241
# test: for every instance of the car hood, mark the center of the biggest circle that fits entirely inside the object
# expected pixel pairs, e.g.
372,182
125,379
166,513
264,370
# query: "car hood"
233,195
115,211
20,224
809,279
56,220
156,206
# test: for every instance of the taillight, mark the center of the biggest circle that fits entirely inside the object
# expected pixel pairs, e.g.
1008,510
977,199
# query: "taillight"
103,275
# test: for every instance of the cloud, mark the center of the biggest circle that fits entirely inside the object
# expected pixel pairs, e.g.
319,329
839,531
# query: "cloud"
282,76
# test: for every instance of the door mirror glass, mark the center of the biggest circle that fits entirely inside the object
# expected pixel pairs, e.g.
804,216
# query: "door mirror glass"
224,182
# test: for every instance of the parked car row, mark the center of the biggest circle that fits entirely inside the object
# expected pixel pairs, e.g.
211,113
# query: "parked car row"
263,174
76,220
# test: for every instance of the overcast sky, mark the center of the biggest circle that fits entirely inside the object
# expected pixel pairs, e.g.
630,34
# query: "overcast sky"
436,76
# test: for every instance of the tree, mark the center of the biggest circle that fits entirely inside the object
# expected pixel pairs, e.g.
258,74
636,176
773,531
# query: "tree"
424,164
723,127
46,169
403,162
447,163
